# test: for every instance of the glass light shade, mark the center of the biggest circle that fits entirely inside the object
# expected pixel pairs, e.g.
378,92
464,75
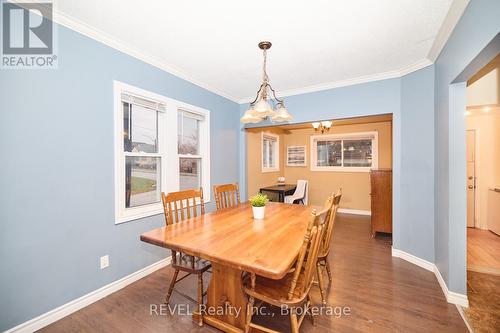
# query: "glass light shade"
250,117
316,125
282,114
263,109
326,124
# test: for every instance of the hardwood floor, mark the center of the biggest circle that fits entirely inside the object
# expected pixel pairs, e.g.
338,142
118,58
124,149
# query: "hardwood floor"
483,249
383,294
484,302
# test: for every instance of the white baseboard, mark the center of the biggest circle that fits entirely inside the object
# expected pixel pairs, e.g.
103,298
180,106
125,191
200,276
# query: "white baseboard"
451,297
81,302
413,259
355,211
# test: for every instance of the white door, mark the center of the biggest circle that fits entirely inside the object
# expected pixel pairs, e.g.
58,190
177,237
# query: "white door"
471,177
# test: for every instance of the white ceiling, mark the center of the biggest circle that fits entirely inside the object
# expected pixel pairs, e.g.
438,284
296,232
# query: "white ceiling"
315,43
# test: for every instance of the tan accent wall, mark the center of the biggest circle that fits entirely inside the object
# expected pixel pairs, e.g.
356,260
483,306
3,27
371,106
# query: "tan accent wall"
355,185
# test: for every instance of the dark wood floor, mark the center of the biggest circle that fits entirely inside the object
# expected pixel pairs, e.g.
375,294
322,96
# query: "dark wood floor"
384,294
483,291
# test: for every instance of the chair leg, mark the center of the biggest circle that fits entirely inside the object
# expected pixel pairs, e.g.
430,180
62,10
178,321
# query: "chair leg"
294,322
172,284
320,283
200,299
249,314
328,271
309,304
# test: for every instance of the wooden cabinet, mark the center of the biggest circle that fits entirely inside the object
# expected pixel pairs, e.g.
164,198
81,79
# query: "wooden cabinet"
381,200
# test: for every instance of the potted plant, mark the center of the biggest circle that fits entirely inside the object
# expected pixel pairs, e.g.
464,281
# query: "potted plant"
258,203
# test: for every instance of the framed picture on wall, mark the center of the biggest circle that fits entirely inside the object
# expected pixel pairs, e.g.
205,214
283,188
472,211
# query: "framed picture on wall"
296,156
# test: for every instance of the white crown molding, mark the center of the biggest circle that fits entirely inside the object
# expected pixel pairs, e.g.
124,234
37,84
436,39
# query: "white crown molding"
350,82
451,297
455,12
81,302
86,30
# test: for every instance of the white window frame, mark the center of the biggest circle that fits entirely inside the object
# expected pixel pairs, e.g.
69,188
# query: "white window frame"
204,147
344,136
276,168
167,150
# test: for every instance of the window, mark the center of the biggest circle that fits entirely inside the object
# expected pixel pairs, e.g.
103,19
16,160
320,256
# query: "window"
146,163
270,152
188,147
351,152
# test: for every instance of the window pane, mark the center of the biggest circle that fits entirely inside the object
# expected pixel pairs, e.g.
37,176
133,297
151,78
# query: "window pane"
329,153
190,173
265,154
358,153
189,132
142,180
269,152
140,129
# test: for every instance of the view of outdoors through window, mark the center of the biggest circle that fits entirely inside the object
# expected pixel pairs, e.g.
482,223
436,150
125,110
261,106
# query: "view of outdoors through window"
329,153
358,153
142,172
189,150
269,146
344,153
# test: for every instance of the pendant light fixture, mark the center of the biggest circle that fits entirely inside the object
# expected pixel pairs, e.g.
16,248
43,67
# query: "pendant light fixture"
262,106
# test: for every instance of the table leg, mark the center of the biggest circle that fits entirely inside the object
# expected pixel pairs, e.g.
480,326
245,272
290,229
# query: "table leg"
226,302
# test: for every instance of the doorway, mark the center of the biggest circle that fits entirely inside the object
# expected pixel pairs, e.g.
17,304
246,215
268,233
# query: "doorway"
471,177
483,197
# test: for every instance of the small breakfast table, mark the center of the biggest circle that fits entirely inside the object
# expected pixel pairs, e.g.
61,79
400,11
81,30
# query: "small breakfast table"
236,243
281,190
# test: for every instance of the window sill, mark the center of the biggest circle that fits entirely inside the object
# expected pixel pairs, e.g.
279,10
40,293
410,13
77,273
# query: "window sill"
346,169
270,170
143,212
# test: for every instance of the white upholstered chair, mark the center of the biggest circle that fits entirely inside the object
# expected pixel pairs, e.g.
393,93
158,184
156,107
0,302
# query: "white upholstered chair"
300,193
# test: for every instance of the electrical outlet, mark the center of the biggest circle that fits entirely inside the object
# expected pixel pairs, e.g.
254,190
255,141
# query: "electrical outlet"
104,261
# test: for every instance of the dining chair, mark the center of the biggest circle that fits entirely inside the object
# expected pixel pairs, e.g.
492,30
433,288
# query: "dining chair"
300,193
333,204
179,206
226,195
292,291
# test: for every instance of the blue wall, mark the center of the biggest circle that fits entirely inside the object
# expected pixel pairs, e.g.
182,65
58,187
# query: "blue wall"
477,27
56,175
416,207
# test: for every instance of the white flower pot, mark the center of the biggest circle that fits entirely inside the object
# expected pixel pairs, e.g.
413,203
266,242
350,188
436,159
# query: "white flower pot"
258,212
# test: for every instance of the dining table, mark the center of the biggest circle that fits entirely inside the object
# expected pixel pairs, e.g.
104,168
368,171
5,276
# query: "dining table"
235,243
281,190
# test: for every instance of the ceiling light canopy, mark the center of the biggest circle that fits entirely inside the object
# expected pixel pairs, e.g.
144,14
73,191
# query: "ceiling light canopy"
262,106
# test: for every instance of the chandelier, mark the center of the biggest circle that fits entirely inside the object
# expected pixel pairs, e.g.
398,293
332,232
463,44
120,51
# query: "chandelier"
323,126
262,106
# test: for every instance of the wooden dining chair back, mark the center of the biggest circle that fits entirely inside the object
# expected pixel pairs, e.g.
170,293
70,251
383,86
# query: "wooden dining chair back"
181,205
291,292
226,195
322,259
327,236
306,262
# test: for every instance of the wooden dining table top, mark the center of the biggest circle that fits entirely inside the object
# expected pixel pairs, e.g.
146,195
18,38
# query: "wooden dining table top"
232,237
